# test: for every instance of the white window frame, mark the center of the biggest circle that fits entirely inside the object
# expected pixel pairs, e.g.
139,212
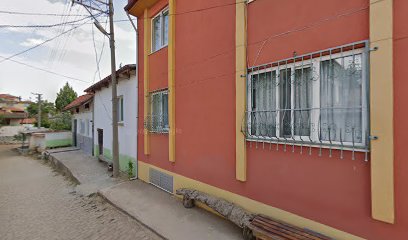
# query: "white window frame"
121,109
163,44
314,115
86,127
165,129
82,127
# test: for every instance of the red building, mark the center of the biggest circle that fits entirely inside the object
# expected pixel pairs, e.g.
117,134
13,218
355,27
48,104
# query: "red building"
293,109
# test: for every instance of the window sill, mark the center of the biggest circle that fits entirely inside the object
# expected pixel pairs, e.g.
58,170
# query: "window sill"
290,143
157,50
164,131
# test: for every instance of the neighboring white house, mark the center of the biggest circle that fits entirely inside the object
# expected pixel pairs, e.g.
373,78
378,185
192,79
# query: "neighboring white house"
82,117
127,114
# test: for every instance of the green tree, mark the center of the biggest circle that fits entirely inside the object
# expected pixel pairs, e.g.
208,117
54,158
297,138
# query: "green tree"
47,109
65,96
61,121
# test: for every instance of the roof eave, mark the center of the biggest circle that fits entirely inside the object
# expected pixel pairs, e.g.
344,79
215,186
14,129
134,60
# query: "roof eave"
88,100
107,80
137,7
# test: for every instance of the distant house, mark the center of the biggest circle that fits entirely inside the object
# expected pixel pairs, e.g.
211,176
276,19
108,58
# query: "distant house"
28,122
12,116
13,110
127,92
82,117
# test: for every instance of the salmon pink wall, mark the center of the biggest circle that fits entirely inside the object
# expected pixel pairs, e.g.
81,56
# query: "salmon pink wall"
158,70
303,27
400,117
332,191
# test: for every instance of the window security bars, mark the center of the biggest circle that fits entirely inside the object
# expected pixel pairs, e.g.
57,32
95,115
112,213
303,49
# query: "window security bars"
318,99
158,120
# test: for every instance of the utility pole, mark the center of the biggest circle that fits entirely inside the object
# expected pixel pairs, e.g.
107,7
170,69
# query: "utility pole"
39,109
111,36
115,144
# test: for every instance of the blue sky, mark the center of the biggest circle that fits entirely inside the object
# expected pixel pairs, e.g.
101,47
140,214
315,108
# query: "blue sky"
72,54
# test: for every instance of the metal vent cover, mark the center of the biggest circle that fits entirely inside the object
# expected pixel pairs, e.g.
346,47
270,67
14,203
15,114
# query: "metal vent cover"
161,180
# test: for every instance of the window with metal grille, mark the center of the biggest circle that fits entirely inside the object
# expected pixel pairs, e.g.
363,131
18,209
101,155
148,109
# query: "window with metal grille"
160,30
319,99
159,121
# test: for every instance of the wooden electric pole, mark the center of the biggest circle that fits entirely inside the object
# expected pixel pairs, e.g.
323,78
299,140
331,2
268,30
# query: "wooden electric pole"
111,36
39,109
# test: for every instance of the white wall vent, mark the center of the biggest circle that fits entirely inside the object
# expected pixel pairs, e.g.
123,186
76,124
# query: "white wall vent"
161,180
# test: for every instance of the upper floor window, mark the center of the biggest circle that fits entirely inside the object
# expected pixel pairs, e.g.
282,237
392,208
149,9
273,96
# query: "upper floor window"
320,98
160,30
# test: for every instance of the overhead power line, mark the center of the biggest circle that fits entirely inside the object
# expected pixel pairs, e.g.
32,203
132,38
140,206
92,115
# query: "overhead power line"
42,43
44,26
45,70
179,13
41,14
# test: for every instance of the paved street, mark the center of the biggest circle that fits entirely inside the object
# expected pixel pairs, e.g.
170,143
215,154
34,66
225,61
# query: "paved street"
38,203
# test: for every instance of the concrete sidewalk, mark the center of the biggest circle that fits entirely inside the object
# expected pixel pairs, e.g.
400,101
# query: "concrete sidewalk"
158,210
165,214
90,174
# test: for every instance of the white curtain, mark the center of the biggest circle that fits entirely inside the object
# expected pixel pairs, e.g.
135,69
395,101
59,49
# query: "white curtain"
165,28
263,115
156,33
159,114
341,99
155,114
165,110
285,105
303,101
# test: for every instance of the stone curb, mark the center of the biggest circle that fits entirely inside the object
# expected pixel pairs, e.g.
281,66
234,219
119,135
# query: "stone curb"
100,193
59,166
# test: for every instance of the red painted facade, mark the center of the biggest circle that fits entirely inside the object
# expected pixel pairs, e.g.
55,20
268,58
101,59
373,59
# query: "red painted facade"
331,191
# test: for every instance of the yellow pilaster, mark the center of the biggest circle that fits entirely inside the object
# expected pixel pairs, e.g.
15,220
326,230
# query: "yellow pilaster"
146,52
381,110
171,80
240,89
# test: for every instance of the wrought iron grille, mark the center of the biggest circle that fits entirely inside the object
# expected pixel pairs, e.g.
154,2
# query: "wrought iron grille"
317,99
158,121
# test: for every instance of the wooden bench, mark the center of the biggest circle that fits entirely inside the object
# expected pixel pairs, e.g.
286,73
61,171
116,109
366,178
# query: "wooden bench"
265,228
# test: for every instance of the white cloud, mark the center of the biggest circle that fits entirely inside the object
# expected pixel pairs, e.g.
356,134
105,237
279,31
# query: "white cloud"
72,54
30,42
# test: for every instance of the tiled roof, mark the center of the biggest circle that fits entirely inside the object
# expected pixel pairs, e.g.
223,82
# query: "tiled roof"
79,101
28,121
105,82
8,97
